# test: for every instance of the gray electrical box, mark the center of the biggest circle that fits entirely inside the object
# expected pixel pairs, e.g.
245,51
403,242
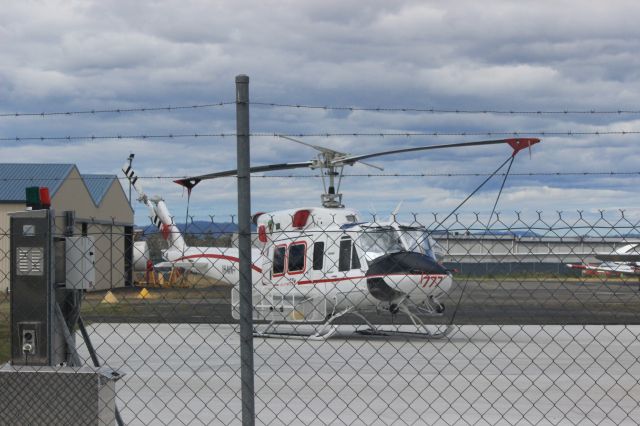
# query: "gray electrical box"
80,263
35,339
44,383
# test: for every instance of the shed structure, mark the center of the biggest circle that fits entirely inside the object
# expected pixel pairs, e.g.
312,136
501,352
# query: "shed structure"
100,206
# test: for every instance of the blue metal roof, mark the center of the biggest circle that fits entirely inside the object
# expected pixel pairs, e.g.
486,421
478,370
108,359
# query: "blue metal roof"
16,177
98,185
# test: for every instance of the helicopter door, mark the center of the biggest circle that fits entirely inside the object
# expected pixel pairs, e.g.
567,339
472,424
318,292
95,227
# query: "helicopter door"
318,256
347,260
276,264
296,259
317,262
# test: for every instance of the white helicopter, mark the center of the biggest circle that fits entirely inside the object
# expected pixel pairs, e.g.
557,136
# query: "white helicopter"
314,265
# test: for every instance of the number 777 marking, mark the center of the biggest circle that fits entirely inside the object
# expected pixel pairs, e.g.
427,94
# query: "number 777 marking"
431,280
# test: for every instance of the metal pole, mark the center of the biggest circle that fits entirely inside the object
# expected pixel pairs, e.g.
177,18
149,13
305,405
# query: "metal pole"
244,245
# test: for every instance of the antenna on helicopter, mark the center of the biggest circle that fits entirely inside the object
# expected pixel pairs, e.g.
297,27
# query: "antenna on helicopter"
332,163
395,211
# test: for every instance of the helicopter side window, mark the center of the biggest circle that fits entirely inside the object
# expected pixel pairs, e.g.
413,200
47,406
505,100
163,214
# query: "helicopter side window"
296,258
348,256
355,260
318,255
278,260
344,262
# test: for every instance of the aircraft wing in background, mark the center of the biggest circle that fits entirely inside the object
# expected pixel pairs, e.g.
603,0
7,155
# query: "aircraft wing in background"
619,257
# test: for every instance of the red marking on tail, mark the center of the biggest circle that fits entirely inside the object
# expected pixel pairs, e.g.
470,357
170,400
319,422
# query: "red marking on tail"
166,231
188,183
576,266
521,143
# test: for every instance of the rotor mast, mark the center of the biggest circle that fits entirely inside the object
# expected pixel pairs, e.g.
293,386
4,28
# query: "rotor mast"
332,199
331,166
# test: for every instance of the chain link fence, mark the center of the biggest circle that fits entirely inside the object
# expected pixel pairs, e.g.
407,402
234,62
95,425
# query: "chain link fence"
401,320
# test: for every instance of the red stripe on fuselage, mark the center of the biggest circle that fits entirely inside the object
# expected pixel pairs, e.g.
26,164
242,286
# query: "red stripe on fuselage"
329,280
216,256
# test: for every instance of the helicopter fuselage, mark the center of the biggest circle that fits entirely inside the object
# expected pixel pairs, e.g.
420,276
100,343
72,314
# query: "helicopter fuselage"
307,263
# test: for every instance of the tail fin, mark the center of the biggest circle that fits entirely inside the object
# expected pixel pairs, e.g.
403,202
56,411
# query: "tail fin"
160,215
628,249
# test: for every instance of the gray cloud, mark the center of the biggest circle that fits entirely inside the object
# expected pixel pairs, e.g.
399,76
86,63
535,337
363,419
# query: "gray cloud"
74,55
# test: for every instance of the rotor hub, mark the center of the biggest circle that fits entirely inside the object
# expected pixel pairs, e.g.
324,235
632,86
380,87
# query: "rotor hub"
332,201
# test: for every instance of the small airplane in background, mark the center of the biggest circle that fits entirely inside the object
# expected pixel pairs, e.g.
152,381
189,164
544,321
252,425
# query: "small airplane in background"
623,261
313,265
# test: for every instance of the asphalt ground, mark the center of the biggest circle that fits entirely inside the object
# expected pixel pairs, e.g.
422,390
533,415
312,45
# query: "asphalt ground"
473,301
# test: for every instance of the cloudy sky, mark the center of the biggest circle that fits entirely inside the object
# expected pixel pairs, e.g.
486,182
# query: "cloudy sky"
465,55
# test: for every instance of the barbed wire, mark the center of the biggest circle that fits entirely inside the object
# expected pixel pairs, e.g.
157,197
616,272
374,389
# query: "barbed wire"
447,110
516,134
115,137
114,110
313,176
430,110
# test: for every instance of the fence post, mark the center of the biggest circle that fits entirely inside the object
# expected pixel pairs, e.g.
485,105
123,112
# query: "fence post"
244,246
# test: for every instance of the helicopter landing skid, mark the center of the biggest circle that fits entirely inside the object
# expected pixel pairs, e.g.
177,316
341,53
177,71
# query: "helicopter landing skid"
326,330
426,334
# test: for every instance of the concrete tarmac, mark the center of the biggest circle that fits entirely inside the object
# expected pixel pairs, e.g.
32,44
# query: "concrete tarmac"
490,375
180,353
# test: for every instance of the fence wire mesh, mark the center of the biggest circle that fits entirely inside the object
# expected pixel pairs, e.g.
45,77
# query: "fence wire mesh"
401,320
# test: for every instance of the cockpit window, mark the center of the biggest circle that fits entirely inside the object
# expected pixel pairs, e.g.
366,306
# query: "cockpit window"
415,239
380,240
388,239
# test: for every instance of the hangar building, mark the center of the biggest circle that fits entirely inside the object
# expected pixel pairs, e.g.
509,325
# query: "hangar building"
101,210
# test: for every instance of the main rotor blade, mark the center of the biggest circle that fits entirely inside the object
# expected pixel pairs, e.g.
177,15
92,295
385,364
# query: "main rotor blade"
316,147
517,144
190,182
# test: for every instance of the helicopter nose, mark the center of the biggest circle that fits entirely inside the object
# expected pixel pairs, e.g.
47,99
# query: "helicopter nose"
409,263
402,263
